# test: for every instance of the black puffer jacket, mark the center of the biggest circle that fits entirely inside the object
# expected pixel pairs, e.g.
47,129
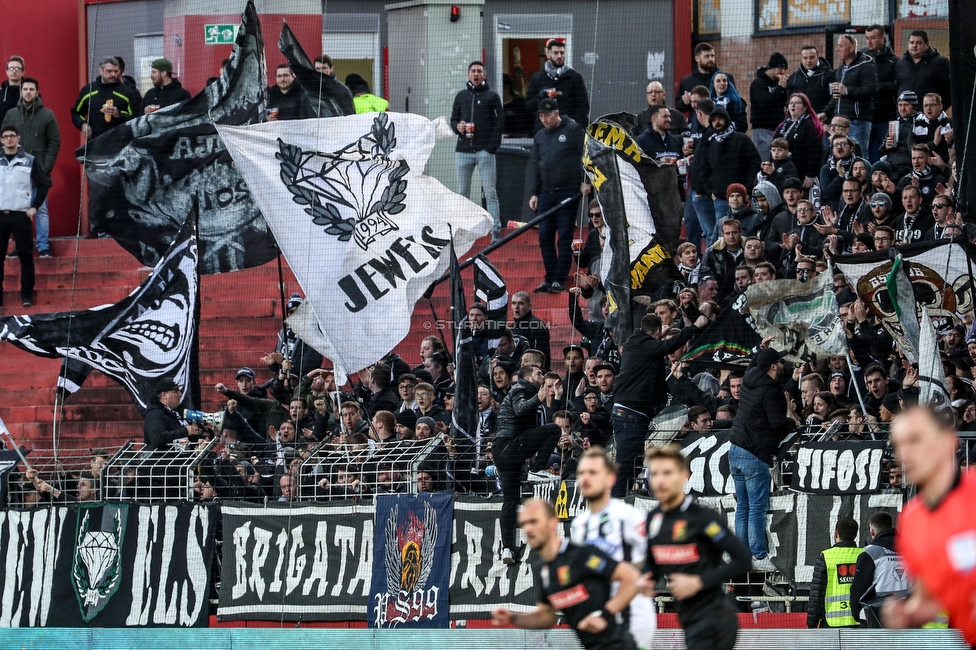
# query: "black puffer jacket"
642,383
861,80
761,420
482,107
814,84
519,411
929,75
573,100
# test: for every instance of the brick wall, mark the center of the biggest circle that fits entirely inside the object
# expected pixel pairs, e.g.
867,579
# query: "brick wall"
742,56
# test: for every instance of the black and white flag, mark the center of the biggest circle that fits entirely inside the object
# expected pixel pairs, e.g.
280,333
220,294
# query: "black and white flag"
491,290
932,387
328,97
360,223
641,207
145,174
150,334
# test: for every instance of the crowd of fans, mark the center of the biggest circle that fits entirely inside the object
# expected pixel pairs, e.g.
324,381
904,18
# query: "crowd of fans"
872,134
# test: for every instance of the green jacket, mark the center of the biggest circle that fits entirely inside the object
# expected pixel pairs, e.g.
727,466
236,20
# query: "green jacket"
367,103
39,133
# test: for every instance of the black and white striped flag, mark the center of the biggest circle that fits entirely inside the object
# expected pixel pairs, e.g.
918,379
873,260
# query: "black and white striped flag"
490,289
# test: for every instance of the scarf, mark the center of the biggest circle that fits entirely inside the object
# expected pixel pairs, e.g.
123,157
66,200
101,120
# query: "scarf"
793,125
554,72
720,137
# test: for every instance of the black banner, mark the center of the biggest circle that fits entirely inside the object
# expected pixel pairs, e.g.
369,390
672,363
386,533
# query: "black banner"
729,341
708,456
838,467
296,562
328,97
107,566
145,174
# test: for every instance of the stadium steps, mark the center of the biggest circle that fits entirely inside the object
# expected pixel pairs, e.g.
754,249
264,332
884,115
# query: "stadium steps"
241,314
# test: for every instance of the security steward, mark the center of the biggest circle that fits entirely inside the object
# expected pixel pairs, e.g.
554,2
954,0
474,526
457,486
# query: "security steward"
879,574
23,188
833,575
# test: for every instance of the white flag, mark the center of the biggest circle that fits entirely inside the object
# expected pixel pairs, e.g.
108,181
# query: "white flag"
931,374
363,228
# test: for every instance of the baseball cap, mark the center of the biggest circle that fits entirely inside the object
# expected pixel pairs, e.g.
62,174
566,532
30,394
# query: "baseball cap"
246,372
163,65
768,356
548,105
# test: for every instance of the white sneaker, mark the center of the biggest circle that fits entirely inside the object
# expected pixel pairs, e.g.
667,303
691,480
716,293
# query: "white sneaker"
508,557
764,564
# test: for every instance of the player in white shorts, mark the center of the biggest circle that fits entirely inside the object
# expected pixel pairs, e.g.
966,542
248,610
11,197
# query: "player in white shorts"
617,529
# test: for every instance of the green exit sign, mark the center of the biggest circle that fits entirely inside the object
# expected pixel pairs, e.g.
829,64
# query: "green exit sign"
220,34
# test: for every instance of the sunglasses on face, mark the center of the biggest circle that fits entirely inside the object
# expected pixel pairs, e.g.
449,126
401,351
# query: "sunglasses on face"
877,204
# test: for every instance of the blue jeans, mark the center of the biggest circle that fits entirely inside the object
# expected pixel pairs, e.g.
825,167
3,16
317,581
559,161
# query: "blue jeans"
705,209
557,258
629,432
485,162
762,138
861,134
693,229
42,224
752,478
879,132
721,214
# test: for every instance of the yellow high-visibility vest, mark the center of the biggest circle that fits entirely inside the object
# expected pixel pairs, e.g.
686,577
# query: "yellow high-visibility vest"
840,561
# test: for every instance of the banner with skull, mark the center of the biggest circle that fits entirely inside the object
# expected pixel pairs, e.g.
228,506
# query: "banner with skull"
364,229
941,280
144,175
150,334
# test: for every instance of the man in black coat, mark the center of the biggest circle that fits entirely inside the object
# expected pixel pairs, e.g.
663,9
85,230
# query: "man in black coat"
556,174
767,93
923,70
286,99
760,424
812,78
701,75
530,327
519,435
479,119
722,158
166,90
558,78
641,390
163,425
382,398
885,109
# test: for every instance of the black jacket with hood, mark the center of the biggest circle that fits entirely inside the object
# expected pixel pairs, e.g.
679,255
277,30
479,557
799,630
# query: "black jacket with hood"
768,100
761,421
481,106
718,164
163,96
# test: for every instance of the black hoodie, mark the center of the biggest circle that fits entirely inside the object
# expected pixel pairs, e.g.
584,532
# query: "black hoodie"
768,100
164,96
721,160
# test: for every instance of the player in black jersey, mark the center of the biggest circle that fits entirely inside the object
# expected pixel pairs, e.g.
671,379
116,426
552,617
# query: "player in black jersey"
574,579
685,542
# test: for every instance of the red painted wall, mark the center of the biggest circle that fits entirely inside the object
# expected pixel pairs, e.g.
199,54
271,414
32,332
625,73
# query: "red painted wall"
197,61
47,35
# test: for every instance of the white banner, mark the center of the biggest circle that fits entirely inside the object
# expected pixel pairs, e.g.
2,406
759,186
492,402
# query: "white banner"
364,229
